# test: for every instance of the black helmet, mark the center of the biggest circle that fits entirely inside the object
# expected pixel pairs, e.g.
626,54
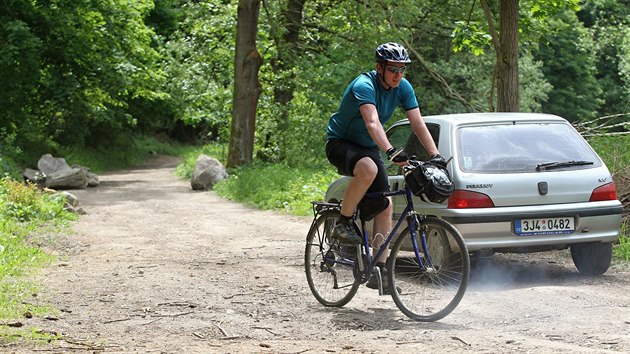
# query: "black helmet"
393,52
431,182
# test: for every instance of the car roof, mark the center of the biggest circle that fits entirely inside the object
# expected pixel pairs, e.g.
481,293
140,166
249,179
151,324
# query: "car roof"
488,118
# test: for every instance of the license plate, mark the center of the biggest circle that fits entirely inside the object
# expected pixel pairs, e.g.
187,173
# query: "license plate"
544,226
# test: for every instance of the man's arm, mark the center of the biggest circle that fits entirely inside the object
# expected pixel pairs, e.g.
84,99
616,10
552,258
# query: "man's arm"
374,127
421,131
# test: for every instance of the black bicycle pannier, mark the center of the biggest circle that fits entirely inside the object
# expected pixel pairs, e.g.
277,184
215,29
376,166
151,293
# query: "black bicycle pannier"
430,182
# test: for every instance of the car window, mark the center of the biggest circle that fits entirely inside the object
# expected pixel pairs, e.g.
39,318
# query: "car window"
403,136
520,147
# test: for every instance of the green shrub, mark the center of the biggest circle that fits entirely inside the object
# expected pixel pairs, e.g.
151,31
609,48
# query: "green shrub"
622,249
122,155
25,213
277,186
613,150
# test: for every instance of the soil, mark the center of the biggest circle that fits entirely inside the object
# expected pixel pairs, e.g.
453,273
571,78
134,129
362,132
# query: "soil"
155,267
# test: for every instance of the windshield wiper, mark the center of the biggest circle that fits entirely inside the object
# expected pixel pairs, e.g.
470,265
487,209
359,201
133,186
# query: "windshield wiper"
557,164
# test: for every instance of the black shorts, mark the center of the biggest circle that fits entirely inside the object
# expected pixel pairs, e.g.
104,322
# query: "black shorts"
344,155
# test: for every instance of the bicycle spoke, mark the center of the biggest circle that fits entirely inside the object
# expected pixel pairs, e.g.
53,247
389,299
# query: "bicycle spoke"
328,266
429,293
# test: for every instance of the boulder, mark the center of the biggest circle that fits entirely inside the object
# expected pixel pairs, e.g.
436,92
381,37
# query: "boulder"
92,178
71,202
34,176
49,164
69,178
54,172
208,171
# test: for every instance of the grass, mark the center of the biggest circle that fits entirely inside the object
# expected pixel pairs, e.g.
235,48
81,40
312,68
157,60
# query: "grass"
26,212
115,158
267,186
277,186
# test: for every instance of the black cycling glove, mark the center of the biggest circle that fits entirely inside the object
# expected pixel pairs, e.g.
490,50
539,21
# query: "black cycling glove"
437,159
397,155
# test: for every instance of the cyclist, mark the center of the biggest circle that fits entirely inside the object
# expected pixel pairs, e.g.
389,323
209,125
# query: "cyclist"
355,133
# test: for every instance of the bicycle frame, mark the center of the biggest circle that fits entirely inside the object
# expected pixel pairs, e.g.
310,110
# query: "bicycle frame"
408,213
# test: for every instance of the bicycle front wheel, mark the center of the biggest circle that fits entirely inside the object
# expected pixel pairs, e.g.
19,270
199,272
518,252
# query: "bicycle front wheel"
429,288
329,265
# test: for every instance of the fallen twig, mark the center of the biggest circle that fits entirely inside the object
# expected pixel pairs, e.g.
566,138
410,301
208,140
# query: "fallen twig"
461,340
266,329
221,329
174,315
118,320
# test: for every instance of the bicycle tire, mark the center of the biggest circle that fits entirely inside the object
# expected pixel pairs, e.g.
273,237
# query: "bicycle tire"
429,294
329,265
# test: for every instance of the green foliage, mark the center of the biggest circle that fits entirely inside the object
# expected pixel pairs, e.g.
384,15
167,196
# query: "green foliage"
131,150
277,186
9,152
471,36
569,66
608,22
622,249
25,213
72,69
613,150
198,63
25,203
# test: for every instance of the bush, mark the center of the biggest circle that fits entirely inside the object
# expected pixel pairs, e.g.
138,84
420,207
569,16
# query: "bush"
277,186
25,212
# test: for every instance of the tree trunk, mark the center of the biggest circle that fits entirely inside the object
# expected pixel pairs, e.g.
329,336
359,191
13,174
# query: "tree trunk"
247,88
507,58
505,43
287,49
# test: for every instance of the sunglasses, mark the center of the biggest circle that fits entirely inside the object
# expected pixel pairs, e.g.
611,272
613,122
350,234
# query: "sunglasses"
396,69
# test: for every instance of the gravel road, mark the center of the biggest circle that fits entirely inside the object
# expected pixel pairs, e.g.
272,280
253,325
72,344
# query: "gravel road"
155,267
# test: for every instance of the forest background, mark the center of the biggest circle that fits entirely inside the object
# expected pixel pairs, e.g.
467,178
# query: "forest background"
104,83
97,75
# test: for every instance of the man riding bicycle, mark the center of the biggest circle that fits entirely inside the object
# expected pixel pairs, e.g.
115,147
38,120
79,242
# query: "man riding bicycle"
355,133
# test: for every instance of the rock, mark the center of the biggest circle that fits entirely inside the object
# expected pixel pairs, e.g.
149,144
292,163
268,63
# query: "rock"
34,176
71,202
49,164
70,178
208,171
92,178
54,172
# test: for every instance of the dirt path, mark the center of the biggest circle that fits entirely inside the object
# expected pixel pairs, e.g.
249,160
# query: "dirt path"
157,267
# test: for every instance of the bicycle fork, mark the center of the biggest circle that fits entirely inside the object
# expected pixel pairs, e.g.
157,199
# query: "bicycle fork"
424,262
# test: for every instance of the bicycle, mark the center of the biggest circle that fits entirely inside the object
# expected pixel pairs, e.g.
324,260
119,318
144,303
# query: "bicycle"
429,264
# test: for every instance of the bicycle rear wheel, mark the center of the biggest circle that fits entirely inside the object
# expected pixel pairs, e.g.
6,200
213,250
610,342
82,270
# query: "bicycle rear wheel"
432,288
329,265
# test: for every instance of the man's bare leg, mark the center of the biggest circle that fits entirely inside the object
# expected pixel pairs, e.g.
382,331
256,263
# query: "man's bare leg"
382,225
364,173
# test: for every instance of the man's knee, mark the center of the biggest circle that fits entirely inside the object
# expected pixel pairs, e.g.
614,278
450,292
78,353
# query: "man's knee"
365,170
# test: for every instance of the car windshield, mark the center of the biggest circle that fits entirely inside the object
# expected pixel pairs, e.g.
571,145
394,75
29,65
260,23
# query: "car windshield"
523,147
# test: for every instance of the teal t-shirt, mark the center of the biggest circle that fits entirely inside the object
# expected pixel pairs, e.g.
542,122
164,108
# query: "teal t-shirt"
347,123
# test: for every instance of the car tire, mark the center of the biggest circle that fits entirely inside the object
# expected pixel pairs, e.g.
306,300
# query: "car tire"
592,258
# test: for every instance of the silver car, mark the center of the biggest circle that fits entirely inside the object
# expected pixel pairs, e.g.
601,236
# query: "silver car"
524,182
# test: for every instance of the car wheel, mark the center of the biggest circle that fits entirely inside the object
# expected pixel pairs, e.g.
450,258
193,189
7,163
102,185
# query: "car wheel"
592,258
